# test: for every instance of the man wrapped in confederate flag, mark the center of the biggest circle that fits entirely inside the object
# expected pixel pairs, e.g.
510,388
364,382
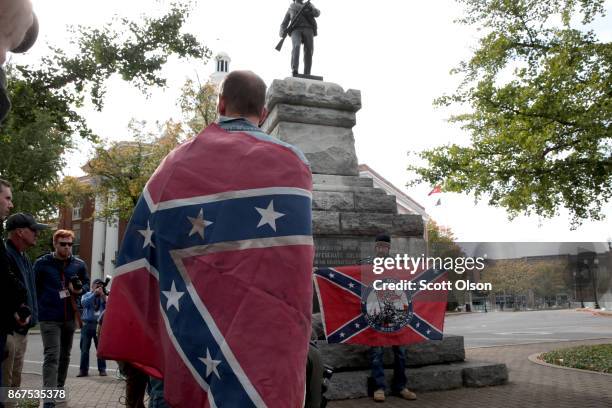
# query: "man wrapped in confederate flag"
213,291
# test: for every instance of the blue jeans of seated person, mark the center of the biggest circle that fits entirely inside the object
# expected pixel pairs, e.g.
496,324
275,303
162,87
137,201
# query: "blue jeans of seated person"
399,368
88,332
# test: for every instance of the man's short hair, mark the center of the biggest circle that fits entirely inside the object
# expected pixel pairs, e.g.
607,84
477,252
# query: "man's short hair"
4,184
244,93
62,234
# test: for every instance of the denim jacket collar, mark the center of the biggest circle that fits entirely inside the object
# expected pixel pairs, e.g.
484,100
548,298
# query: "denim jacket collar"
237,124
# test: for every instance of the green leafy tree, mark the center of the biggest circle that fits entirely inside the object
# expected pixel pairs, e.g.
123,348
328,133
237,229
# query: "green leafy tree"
199,104
539,85
122,169
46,96
509,277
551,278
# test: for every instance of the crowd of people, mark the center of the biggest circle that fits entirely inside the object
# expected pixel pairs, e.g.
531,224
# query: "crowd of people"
53,293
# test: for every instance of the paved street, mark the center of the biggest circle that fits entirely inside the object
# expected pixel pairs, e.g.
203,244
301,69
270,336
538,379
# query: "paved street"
34,357
531,385
505,337
505,328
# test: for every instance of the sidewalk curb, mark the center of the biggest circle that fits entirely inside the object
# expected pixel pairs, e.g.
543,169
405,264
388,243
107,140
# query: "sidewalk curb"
535,358
38,331
538,342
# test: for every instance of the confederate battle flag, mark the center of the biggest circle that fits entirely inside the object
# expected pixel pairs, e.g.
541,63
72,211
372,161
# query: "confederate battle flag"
356,310
213,291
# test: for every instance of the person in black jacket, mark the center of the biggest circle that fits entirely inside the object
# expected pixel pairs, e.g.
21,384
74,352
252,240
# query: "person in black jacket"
60,279
12,292
22,234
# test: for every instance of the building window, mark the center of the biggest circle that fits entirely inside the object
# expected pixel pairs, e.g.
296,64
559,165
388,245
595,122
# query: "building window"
76,212
76,228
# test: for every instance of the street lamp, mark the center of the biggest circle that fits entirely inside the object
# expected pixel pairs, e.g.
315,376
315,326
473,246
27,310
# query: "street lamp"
593,276
576,272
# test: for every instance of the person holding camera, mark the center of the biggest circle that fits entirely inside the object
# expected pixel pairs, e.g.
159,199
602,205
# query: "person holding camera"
93,303
60,279
22,234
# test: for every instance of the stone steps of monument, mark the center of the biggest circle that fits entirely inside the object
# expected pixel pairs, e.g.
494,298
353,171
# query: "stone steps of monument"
376,201
366,223
355,189
440,377
348,357
319,180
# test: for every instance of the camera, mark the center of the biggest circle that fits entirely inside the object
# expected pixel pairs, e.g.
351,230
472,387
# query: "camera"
76,283
105,285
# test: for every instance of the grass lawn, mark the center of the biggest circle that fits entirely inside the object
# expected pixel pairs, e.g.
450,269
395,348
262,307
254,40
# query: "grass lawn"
593,358
28,404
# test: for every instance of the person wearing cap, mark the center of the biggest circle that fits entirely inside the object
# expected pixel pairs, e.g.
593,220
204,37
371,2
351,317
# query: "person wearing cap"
18,32
22,234
60,279
382,247
94,304
12,292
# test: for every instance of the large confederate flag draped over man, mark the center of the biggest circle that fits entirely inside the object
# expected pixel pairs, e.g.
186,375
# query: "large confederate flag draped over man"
213,287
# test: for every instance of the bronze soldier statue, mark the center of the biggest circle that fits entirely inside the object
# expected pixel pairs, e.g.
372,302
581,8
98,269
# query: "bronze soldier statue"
300,24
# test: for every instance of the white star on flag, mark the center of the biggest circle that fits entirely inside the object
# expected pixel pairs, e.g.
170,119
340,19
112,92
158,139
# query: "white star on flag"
351,285
342,335
268,216
356,325
331,276
147,234
418,324
211,365
173,297
428,331
198,224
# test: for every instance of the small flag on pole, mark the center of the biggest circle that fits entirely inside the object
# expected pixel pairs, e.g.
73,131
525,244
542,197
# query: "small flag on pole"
436,189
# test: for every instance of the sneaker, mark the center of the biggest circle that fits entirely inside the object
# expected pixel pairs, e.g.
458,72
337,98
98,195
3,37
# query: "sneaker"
407,394
379,395
82,374
103,373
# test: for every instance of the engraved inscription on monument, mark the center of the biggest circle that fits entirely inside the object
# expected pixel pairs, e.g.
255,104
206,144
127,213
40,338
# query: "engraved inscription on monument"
337,252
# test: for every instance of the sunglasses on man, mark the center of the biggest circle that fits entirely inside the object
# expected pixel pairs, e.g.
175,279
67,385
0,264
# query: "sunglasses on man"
65,244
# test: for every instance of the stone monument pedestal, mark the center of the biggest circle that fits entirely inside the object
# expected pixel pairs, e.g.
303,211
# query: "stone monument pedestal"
348,212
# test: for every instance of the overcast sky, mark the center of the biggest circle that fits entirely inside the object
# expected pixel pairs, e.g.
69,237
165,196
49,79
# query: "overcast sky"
398,53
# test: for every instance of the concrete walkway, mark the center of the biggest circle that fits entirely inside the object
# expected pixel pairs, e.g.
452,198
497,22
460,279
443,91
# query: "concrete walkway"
531,385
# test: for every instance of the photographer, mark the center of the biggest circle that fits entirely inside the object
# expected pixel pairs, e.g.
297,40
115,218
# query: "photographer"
93,304
60,279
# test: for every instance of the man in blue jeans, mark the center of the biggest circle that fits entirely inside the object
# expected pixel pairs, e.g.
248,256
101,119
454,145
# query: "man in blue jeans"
94,303
382,247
